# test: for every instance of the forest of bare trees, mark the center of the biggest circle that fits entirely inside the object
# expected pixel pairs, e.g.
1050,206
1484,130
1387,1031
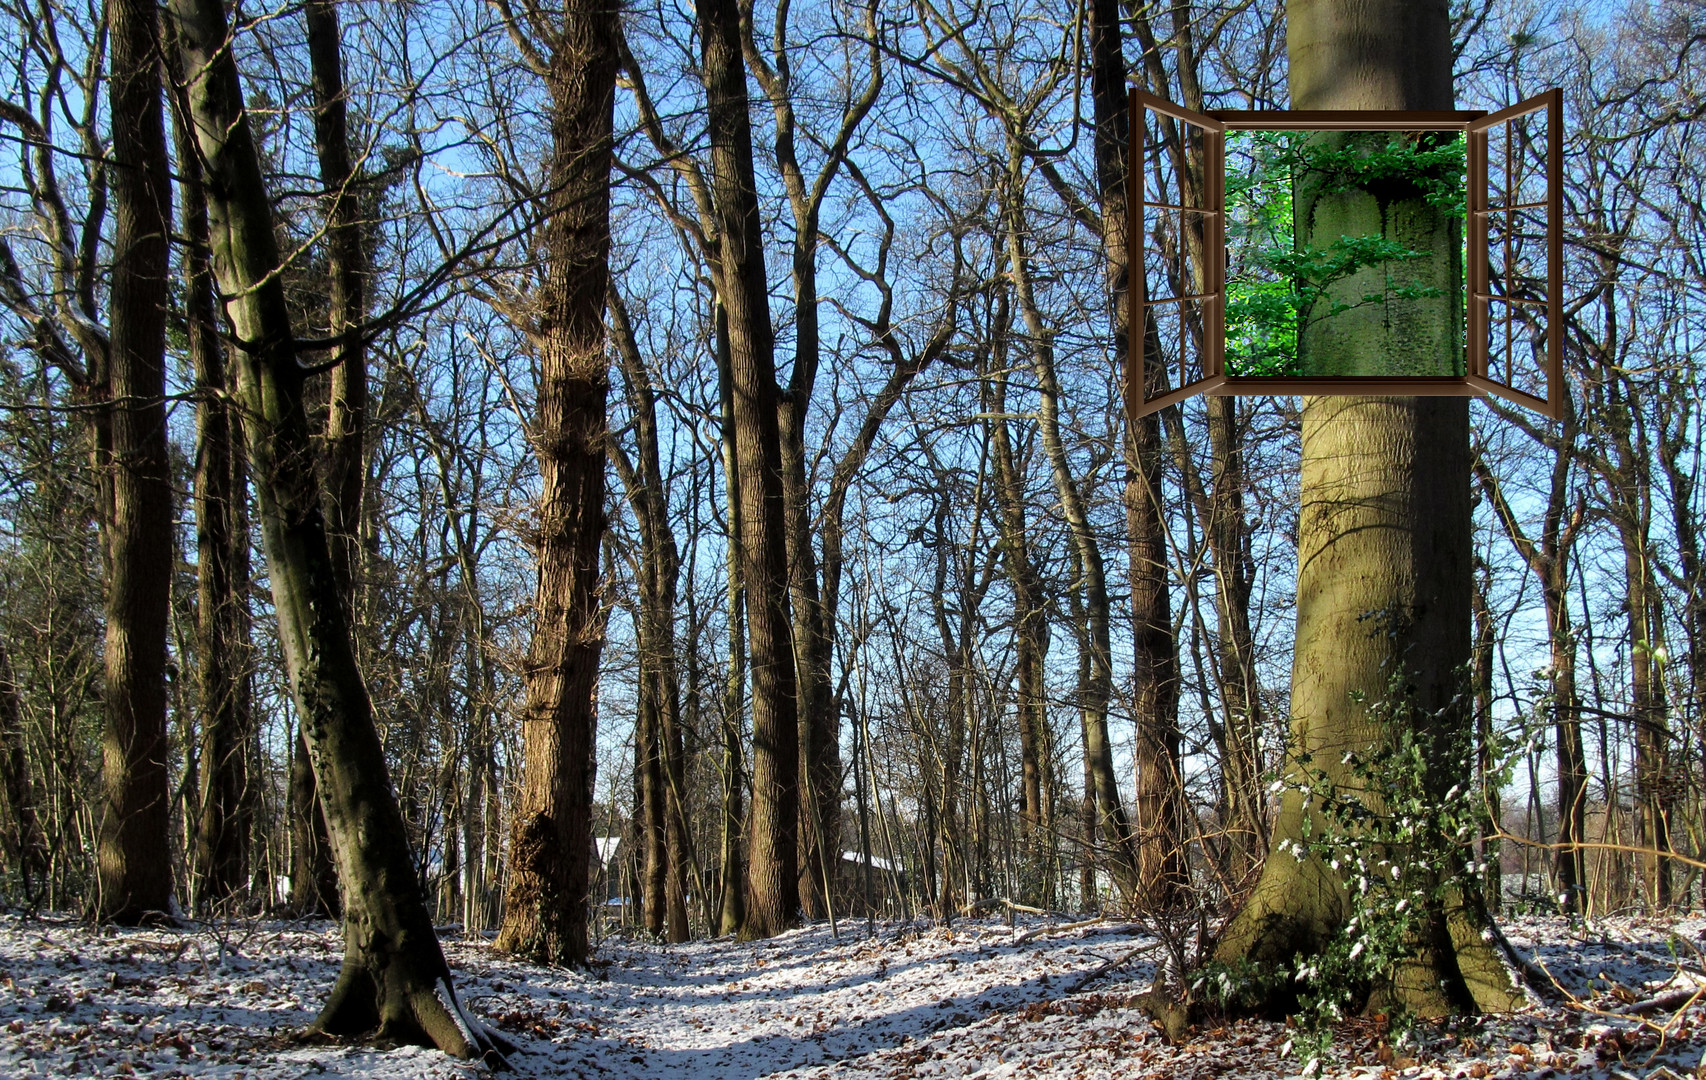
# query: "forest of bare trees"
556,471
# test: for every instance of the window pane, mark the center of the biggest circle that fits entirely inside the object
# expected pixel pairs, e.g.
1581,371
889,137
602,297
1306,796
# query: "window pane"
1516,161
1173,343
1516,254
1169,237
1516,346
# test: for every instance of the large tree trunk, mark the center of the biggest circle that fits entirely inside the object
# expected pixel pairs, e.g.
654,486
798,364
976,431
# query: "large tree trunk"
222,562
551,842
1385,558
394,977
813,608
772,895
314,880
135,865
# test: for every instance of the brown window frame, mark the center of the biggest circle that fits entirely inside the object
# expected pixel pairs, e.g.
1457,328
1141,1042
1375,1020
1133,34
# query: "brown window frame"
1475,125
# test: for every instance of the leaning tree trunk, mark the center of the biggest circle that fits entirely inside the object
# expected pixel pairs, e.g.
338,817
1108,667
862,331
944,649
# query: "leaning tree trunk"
394,978
551,844
1385,557
133,858
772,881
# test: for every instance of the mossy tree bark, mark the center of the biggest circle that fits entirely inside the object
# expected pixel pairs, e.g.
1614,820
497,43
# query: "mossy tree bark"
394,979
1384,553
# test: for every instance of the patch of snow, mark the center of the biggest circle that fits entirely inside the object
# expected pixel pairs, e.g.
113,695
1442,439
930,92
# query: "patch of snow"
977,1001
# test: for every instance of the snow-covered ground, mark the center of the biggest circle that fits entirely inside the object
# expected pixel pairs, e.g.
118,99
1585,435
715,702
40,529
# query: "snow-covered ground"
981,999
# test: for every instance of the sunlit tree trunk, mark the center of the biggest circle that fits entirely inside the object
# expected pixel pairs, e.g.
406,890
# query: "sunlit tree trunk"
1385,558
551,846
222,851
772,871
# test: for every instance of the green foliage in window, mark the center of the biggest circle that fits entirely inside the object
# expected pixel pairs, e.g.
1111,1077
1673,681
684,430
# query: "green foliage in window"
1276,288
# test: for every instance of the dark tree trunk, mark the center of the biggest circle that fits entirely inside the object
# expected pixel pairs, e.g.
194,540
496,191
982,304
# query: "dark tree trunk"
772,884
222,579
346,279
21,839
551,842
731,876
659,576
394,978
313,875
1159,802
133,856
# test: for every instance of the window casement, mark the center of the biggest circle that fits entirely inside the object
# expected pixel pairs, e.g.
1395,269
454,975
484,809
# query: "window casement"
1496,175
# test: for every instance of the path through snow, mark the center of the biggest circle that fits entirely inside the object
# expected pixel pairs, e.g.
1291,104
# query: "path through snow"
975,1001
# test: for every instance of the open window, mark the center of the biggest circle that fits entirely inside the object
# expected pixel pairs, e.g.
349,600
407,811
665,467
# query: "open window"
1344,252
1175,257
1515,217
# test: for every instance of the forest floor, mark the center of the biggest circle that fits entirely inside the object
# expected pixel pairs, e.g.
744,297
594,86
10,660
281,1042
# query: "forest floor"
981,999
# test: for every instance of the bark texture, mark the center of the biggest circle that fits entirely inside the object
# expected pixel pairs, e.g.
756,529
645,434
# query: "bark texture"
1158,805
133,855
222,574
551,843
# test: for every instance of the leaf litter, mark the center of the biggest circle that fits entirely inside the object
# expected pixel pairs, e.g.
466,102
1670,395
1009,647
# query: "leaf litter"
981,1000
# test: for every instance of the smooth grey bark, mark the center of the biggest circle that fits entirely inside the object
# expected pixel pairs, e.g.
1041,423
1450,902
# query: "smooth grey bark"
1385,555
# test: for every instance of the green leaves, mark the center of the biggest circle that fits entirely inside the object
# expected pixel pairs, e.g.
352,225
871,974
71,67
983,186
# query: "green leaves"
1276,288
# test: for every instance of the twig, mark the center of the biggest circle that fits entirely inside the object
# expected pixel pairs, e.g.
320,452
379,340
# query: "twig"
1002,902
1108,965
1674,1000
